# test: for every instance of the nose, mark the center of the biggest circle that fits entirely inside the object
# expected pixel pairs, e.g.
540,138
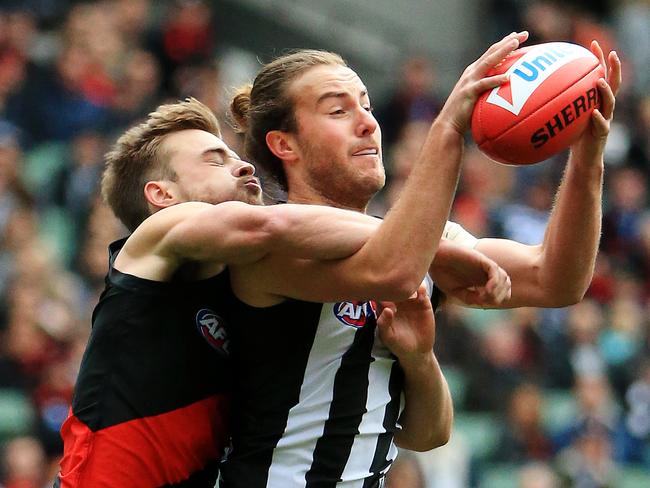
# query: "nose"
244,168
367,123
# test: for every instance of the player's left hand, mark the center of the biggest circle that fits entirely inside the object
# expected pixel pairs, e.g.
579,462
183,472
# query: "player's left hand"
591,142
469,276
408,328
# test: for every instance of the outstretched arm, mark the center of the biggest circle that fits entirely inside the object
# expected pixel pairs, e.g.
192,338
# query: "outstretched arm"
558,272
235,232
408,330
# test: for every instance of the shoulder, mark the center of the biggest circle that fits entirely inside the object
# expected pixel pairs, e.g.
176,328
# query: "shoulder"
148,253
150,234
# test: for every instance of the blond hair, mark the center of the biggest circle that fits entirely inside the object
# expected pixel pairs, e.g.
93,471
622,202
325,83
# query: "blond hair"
136,157
266,105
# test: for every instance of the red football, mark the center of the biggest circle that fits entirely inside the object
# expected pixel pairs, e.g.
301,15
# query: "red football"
543,108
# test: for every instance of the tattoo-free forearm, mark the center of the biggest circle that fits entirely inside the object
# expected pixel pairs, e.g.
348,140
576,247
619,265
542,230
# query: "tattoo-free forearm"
573,233
428,414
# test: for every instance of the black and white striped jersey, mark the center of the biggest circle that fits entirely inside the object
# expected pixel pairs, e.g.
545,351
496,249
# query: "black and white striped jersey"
317,395
316,400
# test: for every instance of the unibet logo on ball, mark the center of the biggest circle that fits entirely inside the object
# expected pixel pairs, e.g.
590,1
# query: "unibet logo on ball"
544,107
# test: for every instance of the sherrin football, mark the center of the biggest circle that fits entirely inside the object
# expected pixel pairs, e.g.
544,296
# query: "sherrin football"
543,108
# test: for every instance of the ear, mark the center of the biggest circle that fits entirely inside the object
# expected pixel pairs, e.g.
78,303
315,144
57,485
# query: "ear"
282,145
160,194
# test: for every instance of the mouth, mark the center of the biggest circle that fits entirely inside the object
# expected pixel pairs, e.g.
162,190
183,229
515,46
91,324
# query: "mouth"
253,183
367,151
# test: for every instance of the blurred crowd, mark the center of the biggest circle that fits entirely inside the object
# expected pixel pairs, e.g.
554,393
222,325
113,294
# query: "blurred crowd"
544,398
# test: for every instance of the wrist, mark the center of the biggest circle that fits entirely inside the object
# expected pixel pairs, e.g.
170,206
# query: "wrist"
586,163
448,130
419,363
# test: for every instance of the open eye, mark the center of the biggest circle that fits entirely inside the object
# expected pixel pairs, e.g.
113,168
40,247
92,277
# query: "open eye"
339,111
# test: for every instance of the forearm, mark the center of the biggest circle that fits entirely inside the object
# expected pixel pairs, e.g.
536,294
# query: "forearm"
573,233
318,232
428,414
408,238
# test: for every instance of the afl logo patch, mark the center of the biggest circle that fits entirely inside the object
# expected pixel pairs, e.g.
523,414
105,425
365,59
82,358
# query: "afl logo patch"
211,327
355,313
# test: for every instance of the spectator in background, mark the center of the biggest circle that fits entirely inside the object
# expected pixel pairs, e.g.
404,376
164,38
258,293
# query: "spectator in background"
55,104
499,366
642,256
455,340
102,228
403,155
621,221
574,21
633,32
23,464
621,342
588,460
133,19
484,188
639,156
526,221
413,100
538,475
12,190
584,323
76,184
187,37
638,401
137,90
599,426
523,437
14,199
17,29
201,81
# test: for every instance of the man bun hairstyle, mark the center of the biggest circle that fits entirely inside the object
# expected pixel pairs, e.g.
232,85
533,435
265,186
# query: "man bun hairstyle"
239,108
267,105
136,157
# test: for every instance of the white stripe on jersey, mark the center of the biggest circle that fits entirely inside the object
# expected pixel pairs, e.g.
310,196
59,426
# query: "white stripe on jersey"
363,449
293,454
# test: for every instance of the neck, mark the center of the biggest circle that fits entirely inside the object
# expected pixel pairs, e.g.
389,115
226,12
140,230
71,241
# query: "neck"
311,196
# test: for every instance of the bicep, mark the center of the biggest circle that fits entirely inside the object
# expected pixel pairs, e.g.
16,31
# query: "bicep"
230,232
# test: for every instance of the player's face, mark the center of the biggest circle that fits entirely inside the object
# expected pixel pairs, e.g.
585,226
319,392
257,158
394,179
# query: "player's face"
208,170
338,138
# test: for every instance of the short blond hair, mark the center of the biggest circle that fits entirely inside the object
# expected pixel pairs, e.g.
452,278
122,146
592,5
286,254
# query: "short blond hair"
136,157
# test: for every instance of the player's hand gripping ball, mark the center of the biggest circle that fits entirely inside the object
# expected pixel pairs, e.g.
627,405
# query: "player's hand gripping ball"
544,107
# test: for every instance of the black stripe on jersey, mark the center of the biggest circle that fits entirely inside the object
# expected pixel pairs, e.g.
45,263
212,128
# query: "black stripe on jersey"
346,411
380,461
374,481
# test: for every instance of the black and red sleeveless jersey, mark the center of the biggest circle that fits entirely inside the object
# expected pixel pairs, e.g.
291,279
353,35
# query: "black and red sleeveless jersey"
151,399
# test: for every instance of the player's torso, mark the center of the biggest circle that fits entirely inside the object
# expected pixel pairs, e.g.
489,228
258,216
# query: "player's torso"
317,396
154,386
